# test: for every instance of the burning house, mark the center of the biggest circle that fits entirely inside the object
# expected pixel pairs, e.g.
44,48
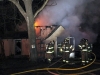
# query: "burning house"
20,46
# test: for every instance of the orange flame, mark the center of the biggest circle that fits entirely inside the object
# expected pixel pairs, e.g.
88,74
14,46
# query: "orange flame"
37,23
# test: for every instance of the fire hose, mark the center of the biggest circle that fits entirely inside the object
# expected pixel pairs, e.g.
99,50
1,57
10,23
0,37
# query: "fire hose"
62,69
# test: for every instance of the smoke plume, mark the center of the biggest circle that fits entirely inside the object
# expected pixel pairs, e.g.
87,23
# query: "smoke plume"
72,15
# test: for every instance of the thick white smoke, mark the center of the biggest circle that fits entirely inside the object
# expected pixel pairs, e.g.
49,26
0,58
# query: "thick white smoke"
68,14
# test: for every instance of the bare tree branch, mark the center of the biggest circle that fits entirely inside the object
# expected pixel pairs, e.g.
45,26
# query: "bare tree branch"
52,4
16,2
41,8
28,6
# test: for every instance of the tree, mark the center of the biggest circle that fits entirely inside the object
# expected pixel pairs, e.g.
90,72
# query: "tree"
30,19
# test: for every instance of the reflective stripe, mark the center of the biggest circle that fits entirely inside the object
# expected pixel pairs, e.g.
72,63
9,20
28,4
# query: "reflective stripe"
84,50
70,46
83,45
79,45
48,52
67,47
66,51
63,60
67,61
61,50
50,48
49,59
83,61
52,51
73,49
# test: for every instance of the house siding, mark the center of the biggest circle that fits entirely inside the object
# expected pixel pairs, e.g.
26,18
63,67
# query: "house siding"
9,46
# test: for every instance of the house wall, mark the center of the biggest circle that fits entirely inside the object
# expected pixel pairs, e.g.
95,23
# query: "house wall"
40,48
9,46
25,47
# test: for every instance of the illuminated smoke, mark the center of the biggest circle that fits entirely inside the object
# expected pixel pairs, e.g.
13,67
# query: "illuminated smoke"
67,13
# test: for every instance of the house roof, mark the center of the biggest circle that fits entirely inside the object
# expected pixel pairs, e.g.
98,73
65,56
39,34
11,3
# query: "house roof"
56,27
54,34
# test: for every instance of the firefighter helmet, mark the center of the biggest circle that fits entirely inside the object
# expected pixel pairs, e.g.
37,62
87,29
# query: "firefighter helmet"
86,40
50,42
66,40
82,41
53,42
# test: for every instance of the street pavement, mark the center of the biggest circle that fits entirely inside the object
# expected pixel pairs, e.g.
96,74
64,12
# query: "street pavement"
23,66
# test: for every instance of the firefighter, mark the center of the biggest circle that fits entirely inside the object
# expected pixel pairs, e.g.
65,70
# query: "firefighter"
59,48
50,51
89,47
66,47
90,51
52,45
84,51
